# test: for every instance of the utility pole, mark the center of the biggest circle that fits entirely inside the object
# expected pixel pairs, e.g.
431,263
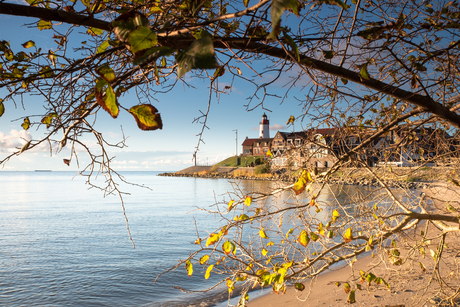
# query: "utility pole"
236,147
236,142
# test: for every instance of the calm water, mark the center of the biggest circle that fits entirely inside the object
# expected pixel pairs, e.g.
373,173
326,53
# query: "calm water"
64,245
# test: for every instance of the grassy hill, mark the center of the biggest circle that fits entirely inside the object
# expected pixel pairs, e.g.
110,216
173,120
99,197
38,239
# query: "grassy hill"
244,161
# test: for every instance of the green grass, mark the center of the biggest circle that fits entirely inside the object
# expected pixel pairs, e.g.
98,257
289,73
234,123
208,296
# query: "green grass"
244,161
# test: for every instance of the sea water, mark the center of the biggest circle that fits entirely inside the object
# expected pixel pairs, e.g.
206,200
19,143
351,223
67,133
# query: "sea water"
63,244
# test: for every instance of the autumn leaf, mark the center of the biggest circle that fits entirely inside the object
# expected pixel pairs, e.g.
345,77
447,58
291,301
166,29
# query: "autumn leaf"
363,73
303,238
24,147
248,201
262,233
348,236
189,267
208,271
321,230
299,286
67,162
26,123
351,297
291,120
108,101
347,287
44,25
335,215
147,117
229,247
230,204
213,238
28,44
106,72
314,236
2,107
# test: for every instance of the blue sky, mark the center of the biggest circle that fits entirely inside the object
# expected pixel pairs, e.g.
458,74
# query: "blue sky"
169,149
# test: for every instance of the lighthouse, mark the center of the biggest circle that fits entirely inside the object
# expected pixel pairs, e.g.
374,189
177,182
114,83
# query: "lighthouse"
264,131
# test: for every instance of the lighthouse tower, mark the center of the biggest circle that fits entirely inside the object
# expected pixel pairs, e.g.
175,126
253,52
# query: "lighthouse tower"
264,131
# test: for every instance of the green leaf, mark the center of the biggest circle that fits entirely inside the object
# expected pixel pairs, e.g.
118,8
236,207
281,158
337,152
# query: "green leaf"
2,107
44,25
277,9
330,234
103,47
363,73
328,54
142,38
204,259
314,236
94,31
189,267
208,271
154,53
351,297
450,208
26,123
106,72
344,81
147,117
303,238
370,277
199,55
299,286
294,47
28,44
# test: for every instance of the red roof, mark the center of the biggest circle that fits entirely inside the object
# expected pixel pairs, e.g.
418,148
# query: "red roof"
249,142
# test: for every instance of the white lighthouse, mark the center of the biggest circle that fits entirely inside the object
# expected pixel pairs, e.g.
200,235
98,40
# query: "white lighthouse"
264,131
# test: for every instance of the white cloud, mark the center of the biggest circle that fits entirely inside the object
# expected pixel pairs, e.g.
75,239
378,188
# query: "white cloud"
277,127
14,141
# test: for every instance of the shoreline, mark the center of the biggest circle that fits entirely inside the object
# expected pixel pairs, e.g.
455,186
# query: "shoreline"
408,282
205,172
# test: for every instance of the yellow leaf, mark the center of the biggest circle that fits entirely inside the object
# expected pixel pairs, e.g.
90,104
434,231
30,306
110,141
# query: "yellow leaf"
189,268
270,243
262,234
229,247
264,252
230,204
321,229
335,215
303,238
213,238
208,271
204,259
291,120
248,201
230,285
289,232
348,237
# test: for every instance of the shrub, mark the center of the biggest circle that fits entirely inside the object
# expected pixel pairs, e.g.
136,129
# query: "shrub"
262,169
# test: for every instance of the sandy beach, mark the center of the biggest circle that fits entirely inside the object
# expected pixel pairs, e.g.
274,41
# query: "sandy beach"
410,284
